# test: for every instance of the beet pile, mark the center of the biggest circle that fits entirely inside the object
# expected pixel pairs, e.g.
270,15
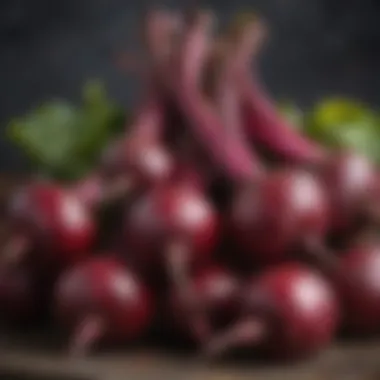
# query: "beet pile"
226,219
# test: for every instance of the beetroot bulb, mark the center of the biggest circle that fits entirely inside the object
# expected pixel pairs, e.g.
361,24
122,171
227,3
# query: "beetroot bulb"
171,231
281,214
349,177
288,312
48,223
355,275
102,300
216,291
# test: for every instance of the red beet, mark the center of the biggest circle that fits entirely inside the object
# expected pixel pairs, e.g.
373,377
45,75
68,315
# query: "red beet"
50,221
279,214
289,312
170,219
216,291
171,231
356,274
102,300
139,161
349,177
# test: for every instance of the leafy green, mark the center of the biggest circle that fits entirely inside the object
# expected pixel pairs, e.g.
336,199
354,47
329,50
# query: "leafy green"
339,122
63,140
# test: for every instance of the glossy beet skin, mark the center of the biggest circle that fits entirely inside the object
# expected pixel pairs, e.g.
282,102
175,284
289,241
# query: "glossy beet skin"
278,214
102,300
289,312
50,221
357,278
350,180
173,214
216,291
143,162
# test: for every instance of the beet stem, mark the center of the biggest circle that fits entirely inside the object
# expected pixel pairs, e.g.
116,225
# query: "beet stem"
246,332
87,334
225,150
262,120
178,270
317,251
95,191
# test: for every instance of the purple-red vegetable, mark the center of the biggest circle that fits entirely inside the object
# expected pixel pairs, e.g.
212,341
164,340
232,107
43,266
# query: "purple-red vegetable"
173,222
102,300
349,177
170,231
289,312
355,274
279,214
50,222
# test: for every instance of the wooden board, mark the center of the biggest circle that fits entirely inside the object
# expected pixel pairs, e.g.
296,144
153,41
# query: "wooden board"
26,360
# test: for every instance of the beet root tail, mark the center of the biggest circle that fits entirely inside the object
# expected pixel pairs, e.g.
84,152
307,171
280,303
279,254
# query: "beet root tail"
178,270
87,334
247,332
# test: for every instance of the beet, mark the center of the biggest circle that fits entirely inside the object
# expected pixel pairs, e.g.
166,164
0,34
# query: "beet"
355,274
349,178
171,217
170,232
101,300
139,161
289,312
216,291
278,215
50,221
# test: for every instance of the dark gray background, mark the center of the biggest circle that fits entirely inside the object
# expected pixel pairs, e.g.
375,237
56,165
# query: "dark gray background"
49,48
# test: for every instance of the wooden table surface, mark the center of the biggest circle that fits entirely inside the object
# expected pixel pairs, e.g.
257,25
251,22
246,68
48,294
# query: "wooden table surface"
359,361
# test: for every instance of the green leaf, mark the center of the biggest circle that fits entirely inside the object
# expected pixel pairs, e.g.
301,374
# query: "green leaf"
63,140
344,123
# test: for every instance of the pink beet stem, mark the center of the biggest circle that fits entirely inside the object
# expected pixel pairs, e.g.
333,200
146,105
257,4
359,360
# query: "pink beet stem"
159,30
225,149
262,120
177,258
227,98
94,191
87,334
246,332
15,250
